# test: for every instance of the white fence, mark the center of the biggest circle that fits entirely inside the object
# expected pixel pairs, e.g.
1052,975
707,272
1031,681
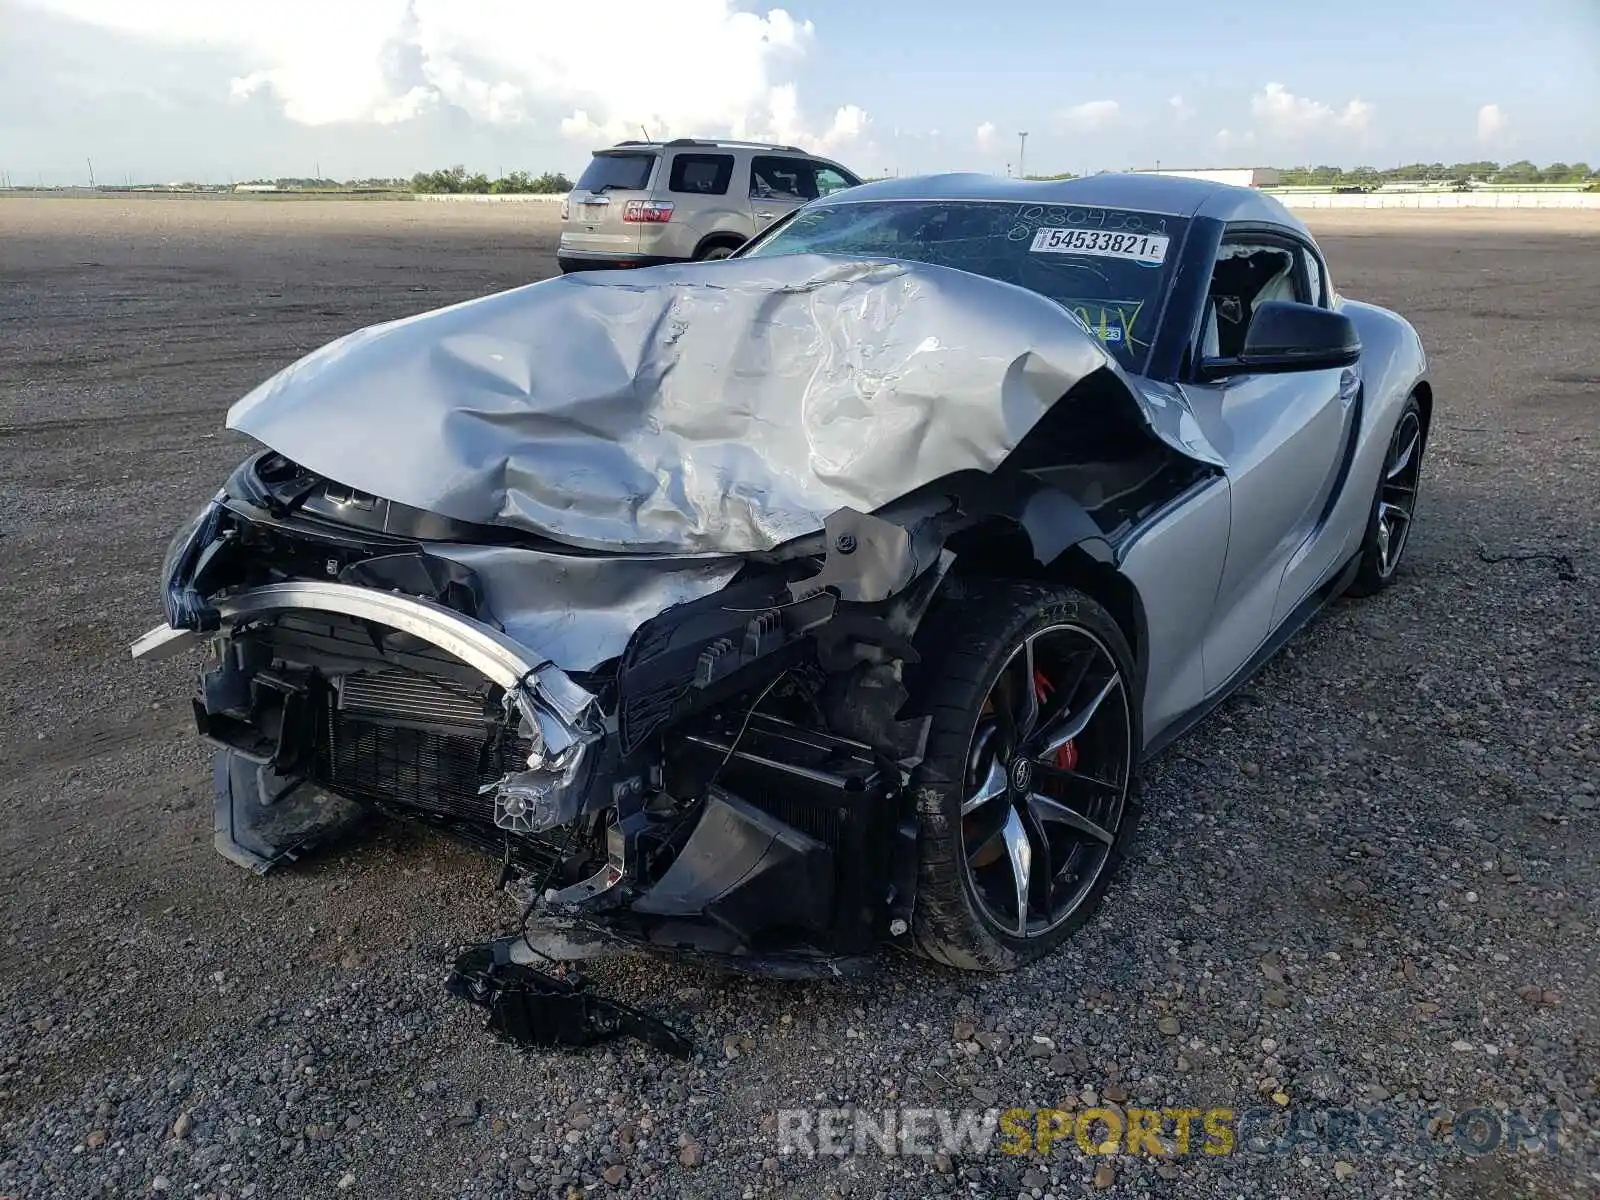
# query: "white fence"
1480,199
511,197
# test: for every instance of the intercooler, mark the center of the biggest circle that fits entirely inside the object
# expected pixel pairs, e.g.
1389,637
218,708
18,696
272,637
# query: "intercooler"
402,739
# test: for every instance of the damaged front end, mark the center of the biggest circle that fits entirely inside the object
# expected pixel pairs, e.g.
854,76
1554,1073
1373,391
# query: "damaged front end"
618,579
722,778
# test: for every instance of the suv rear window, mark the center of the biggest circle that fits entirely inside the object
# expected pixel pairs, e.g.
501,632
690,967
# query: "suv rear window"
626,172
701,174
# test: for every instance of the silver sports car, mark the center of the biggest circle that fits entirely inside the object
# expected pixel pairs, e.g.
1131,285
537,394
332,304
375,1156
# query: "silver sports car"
830,595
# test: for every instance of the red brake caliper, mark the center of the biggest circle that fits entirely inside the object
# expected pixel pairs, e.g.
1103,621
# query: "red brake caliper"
1066,756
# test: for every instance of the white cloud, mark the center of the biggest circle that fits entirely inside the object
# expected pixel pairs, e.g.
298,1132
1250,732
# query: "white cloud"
988,137
782,122
1292,117
1492,124
1089,116
701,66
1228,139
1182,110
849,127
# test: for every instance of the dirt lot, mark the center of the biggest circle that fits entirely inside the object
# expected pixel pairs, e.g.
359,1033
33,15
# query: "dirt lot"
1371,880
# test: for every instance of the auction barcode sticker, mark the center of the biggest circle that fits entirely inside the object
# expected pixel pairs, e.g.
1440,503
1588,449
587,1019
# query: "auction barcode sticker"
1147,248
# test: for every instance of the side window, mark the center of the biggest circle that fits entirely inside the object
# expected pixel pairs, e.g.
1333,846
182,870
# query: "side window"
783,180
1247,274
701,174
830,181
1314,277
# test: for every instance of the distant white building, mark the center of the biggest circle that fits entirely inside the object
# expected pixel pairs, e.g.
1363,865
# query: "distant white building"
1256,177
255,187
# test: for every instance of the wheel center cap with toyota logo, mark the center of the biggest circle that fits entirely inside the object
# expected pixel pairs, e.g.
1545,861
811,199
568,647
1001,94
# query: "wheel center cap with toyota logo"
1021,774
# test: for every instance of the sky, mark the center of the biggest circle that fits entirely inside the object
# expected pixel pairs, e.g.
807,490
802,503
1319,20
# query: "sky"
220,90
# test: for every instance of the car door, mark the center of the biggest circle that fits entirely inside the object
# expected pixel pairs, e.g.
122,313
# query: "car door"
1283,435
1323,551
779,184
706,205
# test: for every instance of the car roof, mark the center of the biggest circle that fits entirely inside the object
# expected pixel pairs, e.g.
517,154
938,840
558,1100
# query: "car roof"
1166,194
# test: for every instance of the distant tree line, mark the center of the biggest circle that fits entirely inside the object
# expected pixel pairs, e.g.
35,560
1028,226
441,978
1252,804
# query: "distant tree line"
290,183
1523,172
455,180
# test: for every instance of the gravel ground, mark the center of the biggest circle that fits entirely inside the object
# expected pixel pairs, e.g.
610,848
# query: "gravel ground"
1368,880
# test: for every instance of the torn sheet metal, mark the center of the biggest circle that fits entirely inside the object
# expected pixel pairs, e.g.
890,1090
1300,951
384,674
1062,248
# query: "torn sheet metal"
580,610
704,408
1173,421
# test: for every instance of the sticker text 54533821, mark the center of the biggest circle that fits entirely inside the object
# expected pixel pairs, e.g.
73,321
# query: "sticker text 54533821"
1148,249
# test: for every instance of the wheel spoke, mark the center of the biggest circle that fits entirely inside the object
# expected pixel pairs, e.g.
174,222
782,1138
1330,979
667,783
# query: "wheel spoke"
1068,725
1057,812
1068,685
993,786
1044,876
1392,513
1402,460
1026,712
1050,770
1020,852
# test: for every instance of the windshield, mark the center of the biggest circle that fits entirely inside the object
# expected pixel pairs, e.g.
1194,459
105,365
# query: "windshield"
625,172
1110,267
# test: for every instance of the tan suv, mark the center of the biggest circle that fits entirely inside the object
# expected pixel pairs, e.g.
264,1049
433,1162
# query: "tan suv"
642,203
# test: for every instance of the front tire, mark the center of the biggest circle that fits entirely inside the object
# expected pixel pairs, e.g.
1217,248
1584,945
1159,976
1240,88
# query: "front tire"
1027,794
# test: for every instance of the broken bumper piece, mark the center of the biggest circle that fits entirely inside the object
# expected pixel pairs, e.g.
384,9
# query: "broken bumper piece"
549,702
531,1007
268,813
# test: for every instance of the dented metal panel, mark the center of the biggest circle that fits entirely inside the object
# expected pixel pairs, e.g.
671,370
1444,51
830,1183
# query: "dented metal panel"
705,408
581,610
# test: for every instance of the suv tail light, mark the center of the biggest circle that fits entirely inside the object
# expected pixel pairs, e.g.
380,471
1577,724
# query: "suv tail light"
647,212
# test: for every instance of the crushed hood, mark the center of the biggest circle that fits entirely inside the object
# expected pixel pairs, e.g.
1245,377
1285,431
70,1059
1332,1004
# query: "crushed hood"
706,408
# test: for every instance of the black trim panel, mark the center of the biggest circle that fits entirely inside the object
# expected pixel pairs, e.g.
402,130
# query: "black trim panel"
570,261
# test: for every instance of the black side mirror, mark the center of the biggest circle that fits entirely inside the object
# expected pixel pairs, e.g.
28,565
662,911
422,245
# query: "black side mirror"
1286,336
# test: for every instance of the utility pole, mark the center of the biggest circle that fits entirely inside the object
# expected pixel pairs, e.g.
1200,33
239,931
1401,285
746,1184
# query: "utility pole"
90,161
1022,151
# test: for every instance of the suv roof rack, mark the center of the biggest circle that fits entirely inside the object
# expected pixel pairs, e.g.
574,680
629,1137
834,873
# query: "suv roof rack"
729,142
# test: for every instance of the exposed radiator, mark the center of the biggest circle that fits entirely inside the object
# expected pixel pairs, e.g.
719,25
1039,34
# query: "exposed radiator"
408,697
416,768
405,739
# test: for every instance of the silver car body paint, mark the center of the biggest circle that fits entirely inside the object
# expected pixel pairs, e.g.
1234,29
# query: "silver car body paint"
1175,564
1392,363
710,408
